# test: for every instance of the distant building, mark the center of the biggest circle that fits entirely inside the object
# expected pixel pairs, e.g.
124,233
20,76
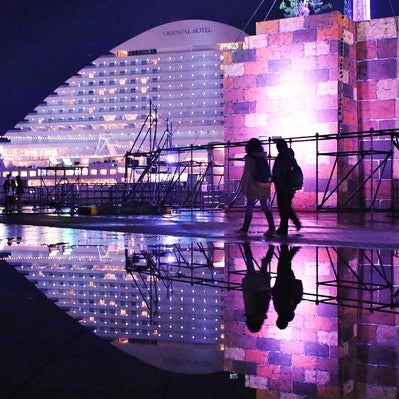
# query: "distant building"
361,10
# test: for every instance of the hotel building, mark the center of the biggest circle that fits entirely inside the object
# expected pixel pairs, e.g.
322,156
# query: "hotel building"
168,80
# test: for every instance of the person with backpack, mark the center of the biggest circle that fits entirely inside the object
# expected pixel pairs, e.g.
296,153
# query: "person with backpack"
255,185
282,168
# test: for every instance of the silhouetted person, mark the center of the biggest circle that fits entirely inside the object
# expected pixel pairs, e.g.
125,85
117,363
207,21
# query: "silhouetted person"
19,191
9,192
256,167
281,169
256,289
287,291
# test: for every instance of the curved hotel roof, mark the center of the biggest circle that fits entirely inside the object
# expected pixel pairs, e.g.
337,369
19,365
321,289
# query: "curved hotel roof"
99,112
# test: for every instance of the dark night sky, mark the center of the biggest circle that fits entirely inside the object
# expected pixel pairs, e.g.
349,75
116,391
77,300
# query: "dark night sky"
44,42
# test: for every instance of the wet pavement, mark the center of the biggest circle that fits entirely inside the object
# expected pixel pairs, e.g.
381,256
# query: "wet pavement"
55,345
363,229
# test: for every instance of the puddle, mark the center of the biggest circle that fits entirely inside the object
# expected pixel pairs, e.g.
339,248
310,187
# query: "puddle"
307,320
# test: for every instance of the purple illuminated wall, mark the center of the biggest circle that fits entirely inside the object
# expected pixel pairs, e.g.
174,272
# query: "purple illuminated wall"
320,74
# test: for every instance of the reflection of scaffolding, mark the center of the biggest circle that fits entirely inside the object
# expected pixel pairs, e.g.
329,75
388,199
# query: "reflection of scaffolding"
142,265
370,286
192,264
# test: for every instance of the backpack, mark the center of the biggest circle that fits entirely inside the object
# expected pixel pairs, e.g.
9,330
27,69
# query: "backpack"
295,178
262,171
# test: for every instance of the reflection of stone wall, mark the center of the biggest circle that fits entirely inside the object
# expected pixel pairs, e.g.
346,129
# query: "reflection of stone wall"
314,74
301,359
378,334
327,351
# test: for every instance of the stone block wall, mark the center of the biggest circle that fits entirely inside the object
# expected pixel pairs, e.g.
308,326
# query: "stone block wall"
320,74
378,79
377,55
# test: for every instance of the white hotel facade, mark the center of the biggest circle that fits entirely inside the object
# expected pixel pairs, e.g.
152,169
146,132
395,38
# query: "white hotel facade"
93,118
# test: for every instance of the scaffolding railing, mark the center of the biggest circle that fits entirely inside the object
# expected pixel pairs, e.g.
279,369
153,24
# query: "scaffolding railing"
343,172
362,164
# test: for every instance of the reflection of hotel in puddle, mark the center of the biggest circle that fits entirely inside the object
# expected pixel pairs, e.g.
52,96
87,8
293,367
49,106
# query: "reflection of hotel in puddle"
92,120
97,289
155,300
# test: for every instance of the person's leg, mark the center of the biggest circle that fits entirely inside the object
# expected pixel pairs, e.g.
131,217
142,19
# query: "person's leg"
8,203
247,216
19,202
293,216
265,206
249,260
249,210
267,258
283,203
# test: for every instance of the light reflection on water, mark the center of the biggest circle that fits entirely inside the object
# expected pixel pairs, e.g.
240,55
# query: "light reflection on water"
319,316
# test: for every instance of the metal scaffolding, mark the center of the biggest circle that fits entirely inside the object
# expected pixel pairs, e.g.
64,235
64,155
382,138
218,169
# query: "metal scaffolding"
345,172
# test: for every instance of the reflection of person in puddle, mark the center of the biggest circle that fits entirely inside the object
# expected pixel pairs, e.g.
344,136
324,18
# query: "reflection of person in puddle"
256,289
287,290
